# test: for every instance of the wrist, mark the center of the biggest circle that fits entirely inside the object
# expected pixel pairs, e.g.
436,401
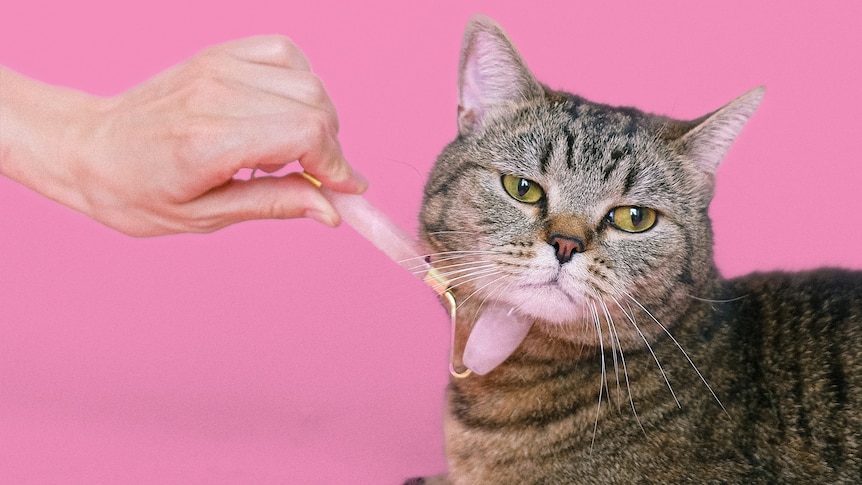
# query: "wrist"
43,135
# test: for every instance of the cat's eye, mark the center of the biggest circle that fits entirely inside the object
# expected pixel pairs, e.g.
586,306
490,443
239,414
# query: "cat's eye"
632,218
522,190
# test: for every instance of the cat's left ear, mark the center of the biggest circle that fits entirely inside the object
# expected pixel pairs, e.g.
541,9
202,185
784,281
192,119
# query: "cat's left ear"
491,74
706,140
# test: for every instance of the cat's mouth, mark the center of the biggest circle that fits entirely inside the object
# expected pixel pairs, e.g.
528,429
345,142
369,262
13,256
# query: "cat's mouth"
552,301
569,294
556,286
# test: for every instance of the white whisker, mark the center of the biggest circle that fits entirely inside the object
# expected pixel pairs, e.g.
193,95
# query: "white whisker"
467,276
452,254
625,371
445,265
631,318
614,341
420,268
707,300
684,353
469,233
477,290
602,379
490,293
451,268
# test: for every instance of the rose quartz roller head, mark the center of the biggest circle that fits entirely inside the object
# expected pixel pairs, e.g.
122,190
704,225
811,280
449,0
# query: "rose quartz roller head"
497,332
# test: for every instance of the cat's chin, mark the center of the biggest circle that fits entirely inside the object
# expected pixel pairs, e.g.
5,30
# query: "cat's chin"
549,303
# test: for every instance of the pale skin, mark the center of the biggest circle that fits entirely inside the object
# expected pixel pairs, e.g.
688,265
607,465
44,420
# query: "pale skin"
161,157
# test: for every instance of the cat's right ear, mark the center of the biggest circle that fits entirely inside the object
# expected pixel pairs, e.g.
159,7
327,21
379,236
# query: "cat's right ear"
491,73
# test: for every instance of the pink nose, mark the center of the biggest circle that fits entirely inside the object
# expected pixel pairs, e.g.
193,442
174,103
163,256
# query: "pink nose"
565,246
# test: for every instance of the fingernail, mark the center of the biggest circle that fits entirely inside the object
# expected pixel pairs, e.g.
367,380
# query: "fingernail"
360,181
322,217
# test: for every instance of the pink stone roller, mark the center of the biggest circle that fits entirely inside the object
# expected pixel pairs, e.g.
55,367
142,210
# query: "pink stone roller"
497,332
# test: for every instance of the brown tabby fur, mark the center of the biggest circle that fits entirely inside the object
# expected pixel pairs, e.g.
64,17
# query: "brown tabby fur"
660,371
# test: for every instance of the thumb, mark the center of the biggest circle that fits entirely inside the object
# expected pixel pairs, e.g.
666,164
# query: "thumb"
287,197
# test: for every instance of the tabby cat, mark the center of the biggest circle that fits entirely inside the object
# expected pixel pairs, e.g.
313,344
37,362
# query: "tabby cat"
642,364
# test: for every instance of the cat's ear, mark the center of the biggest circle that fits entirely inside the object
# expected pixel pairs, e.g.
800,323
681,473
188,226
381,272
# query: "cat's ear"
707,139
491,73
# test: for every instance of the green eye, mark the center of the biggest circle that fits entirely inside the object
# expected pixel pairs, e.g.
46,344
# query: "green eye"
522,190
632,218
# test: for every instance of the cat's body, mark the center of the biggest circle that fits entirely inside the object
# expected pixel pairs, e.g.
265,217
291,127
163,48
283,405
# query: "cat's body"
782,356
642,365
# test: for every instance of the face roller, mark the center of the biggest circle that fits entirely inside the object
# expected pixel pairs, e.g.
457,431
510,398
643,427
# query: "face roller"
498,331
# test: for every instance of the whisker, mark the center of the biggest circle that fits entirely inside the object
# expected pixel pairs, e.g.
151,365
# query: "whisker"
469,274
447,270
684,353
477,290
434,233
465,265
603,378
614,341
444,253
463,251
447,254
459,258
625,371
631,318
459,278
498,288
420,268
707,300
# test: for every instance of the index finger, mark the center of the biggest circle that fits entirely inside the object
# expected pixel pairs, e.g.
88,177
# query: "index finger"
306,136
327,166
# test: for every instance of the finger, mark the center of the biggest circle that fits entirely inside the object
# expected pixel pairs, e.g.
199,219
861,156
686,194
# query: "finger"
274,50
307,136
271,167
229,99
285,197
302,86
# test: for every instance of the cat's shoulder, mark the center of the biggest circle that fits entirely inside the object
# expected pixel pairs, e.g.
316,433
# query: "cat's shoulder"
825,294
822,281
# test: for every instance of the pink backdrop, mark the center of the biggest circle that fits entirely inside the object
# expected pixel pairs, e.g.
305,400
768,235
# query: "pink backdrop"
286,352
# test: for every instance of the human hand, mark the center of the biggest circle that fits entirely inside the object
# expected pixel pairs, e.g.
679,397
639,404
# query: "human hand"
161,157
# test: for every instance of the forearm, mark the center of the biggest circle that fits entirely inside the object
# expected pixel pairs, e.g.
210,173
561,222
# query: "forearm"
42,135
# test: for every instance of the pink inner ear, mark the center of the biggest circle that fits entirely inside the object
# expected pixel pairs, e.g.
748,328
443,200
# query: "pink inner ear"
488,75
492,73
470,109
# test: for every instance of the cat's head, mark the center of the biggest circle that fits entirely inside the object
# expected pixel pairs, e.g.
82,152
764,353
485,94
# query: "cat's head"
564,209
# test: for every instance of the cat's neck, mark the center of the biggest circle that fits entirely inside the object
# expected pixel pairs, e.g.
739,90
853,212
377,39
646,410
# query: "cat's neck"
574,373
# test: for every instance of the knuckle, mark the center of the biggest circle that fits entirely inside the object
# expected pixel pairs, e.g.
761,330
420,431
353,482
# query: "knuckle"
321,128
204,225
274,210
314,90
194,220
284,49
323,142
282,45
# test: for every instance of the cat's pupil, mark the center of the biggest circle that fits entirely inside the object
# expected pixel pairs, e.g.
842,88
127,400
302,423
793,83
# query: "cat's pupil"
637,215
523,187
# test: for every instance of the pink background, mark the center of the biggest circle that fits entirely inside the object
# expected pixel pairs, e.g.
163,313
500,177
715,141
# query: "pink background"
287,352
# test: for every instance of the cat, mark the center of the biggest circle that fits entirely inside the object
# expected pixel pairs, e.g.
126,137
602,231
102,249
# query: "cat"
642,364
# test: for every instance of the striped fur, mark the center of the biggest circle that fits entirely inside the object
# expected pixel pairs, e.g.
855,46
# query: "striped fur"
643,365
